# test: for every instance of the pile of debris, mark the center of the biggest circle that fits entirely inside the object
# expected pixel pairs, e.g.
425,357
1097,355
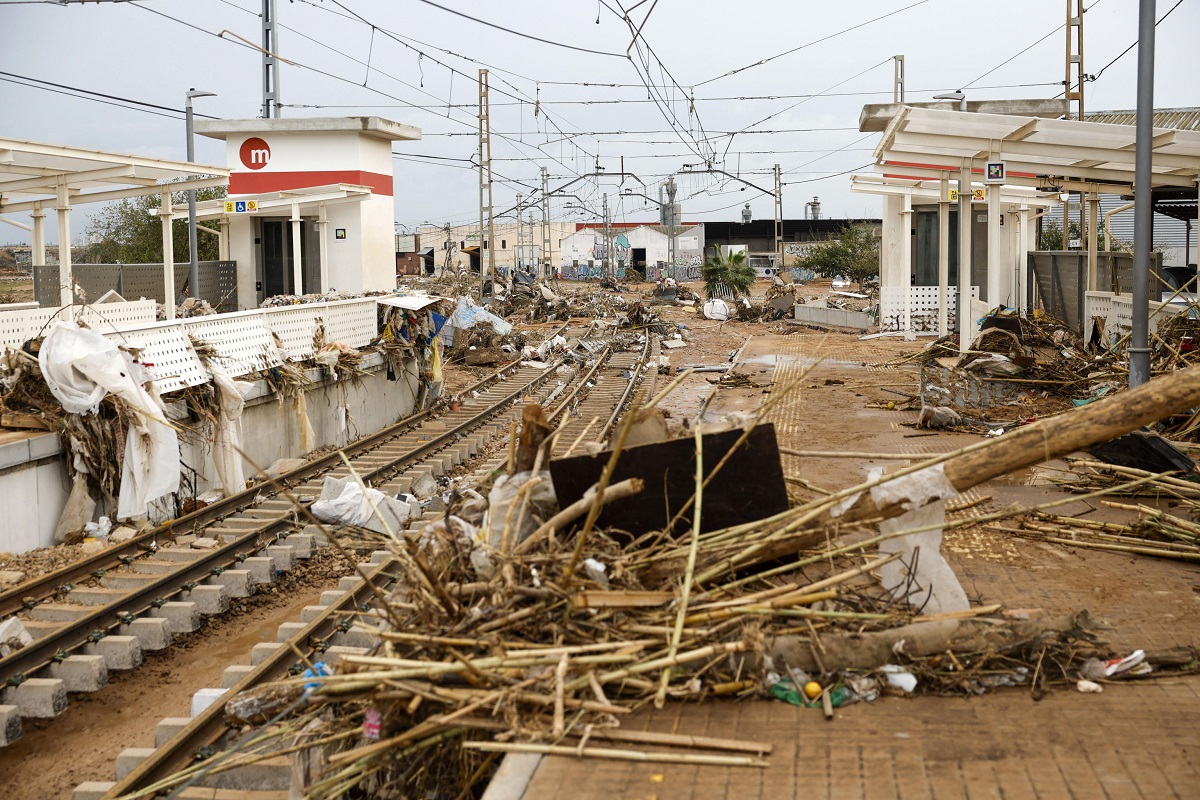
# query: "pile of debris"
536,619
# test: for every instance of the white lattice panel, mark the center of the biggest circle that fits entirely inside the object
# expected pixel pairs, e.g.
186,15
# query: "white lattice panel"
168,348
18,327
923,307
1098,304
294,327
244,342
352,322
1121,314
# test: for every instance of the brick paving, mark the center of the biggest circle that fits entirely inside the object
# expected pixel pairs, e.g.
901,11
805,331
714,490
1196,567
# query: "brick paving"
1136,740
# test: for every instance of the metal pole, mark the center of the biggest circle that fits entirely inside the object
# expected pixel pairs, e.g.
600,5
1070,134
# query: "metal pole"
194,273
778,220
1143,228
270,65
944,255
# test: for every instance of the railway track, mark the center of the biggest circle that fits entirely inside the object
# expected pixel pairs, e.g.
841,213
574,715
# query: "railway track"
103,611
601,392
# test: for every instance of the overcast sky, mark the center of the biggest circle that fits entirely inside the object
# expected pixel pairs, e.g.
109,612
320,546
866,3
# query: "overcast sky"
137,51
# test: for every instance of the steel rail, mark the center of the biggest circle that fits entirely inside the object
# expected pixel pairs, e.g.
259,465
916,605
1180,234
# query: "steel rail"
48,586
207,727
73,635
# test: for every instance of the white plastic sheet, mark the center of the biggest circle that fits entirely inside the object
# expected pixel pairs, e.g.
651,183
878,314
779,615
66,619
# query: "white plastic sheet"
80,366
227,441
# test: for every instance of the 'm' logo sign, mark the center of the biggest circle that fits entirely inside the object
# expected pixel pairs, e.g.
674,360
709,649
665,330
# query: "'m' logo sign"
254,153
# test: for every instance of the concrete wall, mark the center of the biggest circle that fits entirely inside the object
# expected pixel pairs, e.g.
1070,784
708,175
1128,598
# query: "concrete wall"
33,474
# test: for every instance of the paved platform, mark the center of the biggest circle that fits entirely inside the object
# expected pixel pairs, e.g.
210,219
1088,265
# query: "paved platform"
1136,740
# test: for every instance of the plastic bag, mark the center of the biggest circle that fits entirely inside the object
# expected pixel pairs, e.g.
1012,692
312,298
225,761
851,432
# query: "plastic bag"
539,503
938,417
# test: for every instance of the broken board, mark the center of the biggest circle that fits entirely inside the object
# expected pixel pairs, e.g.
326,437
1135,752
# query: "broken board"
749,486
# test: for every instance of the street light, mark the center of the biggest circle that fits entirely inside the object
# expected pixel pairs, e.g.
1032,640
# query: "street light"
194,274
959,96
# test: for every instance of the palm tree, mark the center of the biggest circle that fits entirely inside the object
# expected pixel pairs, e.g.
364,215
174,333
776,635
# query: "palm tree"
725,274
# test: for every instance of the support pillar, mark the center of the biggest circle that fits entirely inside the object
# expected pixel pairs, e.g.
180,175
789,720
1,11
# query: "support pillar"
223,239
66,281
906,263
297,254
168,242
944,256
995,273
39,235
1093,213
965,323
323,244
1021,271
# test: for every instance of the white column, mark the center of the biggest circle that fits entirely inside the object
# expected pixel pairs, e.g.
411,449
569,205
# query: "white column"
1093,213
1022,270
323,243
39,235
906,262
168,241
944,256
966,325
997,276
223,239
66,281
297,262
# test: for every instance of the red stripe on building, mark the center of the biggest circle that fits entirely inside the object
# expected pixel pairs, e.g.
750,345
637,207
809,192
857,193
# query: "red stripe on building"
261,182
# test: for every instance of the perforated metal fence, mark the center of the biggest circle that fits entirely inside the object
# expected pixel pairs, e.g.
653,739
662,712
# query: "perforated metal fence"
218,282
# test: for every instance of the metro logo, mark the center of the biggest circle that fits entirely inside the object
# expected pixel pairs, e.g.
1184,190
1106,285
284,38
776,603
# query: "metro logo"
254,153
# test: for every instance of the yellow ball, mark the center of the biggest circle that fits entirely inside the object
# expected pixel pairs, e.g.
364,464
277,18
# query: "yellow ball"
891,406
812,690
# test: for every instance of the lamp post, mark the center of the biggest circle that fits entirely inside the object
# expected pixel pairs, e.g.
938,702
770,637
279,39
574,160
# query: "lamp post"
194,274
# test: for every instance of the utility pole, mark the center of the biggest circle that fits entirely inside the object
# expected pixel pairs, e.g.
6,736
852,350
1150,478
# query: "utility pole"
607,262
270,64
1074,59
485,187
517,260
898,80
194,274
547,266
779,218
670,220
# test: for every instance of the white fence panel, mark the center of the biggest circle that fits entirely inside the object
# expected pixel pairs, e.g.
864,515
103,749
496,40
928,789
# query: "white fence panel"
923,307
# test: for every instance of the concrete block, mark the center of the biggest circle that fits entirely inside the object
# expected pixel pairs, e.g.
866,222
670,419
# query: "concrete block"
155,566
58,612
129,759
125,581
331,596
233,675
309,613
167,728
92,790
319,538
270,775
180,554
357,636
41,698
181,617
283,556
119,652
204,698
288,630
348,582
378,557
209,600
81,673
261,569
302,544
152,633
235,581
262,651
334,654
94,595
401,484
10,725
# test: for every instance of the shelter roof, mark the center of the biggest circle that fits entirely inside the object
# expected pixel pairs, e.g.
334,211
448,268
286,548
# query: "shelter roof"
930,189
33,172
922,142
376,127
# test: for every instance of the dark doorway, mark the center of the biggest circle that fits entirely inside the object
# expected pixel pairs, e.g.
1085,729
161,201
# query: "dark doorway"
637,258
276,235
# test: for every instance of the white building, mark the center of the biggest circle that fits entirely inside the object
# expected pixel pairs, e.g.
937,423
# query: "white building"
633,244
458,247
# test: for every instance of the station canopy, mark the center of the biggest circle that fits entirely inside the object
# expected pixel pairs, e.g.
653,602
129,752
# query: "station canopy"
1050,154
54,176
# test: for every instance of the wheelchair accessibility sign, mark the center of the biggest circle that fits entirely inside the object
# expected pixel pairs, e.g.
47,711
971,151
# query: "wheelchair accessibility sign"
240,206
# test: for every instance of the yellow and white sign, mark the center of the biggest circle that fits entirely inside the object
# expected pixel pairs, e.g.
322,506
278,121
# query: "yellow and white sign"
240,206
977,195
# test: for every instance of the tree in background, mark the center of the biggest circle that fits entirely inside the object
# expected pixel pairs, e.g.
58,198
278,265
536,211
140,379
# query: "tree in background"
853,254
130,231
1052,236
730,270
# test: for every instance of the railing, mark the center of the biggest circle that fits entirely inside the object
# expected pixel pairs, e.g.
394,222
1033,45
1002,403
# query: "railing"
923,307
218,282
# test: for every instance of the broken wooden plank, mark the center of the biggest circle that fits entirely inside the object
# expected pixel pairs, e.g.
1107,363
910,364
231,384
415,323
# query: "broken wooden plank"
16,419
621,599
